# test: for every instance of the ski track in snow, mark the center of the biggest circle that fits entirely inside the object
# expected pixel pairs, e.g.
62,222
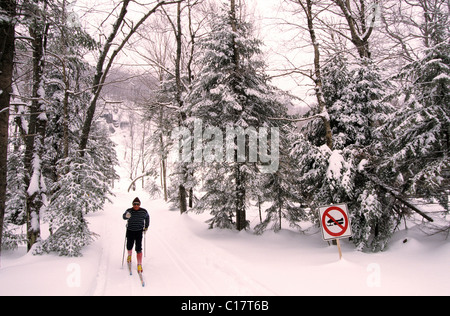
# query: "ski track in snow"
213,268
194,278
175,264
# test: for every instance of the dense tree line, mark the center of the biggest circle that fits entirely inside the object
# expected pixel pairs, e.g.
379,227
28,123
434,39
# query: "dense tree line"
375,134
60,162
362,120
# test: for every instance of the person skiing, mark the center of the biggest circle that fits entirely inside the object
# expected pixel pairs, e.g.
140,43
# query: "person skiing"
138,222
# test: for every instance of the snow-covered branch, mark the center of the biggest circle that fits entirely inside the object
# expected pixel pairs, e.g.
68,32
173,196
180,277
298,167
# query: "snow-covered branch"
397,195
323,115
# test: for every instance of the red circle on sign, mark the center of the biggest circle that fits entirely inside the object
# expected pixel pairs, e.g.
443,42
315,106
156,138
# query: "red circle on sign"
325,214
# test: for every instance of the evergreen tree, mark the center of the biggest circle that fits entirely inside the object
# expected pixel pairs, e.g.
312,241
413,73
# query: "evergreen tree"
357,105
418,145
336,79
40,187
233,99
281,190
356,102
82,188
15,216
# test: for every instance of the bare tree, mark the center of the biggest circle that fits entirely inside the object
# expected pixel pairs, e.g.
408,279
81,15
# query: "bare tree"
102,70
157,53
360,17
409,24
316,76
185,195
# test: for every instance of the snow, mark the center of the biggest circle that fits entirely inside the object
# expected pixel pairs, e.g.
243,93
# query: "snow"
362,164
443,77
335,166
184,257
34,221
35,178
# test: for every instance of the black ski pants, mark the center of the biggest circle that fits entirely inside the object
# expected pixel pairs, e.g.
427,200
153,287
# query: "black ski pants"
132,237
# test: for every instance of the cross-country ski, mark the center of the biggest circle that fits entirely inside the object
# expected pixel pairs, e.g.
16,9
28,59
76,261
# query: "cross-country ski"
129,268
141,277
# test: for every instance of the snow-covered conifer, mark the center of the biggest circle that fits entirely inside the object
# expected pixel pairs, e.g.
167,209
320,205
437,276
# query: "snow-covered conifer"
232,94
357,104
417,136
82,188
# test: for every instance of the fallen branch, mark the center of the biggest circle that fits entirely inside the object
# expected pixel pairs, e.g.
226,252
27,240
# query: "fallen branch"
140,177
323,115
397,195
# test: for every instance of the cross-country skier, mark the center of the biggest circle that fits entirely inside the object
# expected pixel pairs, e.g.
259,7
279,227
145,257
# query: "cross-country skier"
138,222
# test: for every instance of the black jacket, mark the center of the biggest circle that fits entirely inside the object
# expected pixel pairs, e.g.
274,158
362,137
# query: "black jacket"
139,219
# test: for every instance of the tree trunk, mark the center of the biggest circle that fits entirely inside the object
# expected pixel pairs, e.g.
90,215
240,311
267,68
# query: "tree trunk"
361,41
34,145
241,218
99,79
234,28
179,89
162,148
6,72
164,177
66,82
317,73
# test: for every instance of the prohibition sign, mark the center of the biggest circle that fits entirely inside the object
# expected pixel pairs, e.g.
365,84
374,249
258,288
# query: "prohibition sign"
331,216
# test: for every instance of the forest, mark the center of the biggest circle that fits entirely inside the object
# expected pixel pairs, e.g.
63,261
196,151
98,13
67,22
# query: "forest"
328,101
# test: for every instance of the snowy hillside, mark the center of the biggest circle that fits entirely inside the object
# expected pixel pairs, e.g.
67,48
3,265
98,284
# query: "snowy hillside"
184,258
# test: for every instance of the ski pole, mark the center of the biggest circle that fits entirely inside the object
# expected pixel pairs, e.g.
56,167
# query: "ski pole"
124,244
145,244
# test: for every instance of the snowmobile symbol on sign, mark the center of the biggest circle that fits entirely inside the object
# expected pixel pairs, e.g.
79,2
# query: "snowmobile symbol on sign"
335,222
332,222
